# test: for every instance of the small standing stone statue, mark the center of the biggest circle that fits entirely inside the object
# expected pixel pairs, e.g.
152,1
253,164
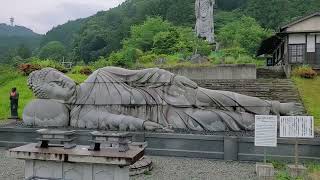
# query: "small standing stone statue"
205,23
14,99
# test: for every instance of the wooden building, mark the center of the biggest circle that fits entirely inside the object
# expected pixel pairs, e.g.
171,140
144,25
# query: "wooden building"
296,43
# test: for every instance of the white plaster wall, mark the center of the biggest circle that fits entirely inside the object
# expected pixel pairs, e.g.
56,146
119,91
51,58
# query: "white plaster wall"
318,38
244,71
297,38
311,43
312,24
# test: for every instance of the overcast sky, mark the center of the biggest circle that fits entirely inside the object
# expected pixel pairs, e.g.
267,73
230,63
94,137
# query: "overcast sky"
42,15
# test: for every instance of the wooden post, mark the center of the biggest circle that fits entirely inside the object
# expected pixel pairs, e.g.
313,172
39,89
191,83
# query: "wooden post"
265,155
296,158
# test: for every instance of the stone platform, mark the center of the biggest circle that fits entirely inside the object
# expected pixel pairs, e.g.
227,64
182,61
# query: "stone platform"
228,146
76,164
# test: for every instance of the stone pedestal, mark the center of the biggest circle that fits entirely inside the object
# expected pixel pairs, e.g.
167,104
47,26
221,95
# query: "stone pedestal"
74,171
265,171
76,164
297,171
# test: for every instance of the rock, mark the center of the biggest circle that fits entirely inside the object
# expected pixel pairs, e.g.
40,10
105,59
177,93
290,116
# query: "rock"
265,171
198,59
297,171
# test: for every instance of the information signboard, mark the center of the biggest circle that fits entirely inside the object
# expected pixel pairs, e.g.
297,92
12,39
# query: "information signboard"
265,131
297,126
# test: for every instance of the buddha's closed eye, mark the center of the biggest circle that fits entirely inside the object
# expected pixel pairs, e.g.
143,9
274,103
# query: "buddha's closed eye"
55,83
52,84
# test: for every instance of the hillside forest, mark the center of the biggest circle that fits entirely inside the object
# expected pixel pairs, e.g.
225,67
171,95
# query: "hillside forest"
146,33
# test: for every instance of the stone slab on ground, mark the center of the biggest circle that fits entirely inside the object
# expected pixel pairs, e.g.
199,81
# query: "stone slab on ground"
144,165
265,171
297,171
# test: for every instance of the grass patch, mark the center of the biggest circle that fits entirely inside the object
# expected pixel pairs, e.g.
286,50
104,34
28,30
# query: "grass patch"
6,75
78,78
313,167
20,82
283,174
309,90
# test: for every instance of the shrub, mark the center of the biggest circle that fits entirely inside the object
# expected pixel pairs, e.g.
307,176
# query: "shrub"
234,52
26,69
304,72
100,63
229,60
86,70
49,63
149,58
76,69
204,49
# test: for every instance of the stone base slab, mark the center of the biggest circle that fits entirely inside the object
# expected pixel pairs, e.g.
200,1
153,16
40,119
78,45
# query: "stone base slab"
35,169
297,171
265,171
142,166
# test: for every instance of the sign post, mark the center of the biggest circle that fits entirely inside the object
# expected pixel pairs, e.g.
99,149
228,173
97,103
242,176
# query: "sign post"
265,136
296,127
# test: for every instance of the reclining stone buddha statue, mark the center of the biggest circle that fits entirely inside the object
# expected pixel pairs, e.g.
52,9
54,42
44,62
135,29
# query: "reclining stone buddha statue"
114,98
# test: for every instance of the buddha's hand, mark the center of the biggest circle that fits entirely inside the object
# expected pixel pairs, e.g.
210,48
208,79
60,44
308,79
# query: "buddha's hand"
152,126
290,109
184,82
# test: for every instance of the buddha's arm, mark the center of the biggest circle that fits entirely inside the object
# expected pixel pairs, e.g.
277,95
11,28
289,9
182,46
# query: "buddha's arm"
125,123
93,117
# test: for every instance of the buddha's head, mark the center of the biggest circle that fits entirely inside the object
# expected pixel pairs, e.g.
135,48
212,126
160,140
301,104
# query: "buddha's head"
49,83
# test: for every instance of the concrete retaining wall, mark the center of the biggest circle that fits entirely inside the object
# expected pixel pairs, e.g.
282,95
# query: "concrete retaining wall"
246,71
189,145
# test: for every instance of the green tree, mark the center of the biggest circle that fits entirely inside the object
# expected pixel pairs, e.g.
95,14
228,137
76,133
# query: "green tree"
23,51
224,17
54,50
274,13
230,4
269,13
245,33
164,42
142,36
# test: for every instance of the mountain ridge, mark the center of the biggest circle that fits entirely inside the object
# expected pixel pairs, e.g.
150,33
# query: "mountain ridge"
7,30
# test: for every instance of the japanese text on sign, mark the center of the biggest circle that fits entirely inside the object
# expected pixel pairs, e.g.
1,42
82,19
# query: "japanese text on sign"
266,131
297,126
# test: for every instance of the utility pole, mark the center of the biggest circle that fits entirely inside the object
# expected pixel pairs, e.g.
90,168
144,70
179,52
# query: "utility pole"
11,21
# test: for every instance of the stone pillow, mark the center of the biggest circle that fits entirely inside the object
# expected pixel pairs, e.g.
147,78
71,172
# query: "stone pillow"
56,114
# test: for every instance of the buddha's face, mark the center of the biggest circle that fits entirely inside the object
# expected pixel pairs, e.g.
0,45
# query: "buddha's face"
204,8
58,86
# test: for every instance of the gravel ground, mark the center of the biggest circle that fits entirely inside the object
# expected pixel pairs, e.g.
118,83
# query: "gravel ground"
165,168
10,169
168,168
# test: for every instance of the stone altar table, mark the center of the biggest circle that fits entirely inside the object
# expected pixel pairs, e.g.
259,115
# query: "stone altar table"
76,164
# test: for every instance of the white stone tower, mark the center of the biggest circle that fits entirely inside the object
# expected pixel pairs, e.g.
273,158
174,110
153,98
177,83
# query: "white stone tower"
204,28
